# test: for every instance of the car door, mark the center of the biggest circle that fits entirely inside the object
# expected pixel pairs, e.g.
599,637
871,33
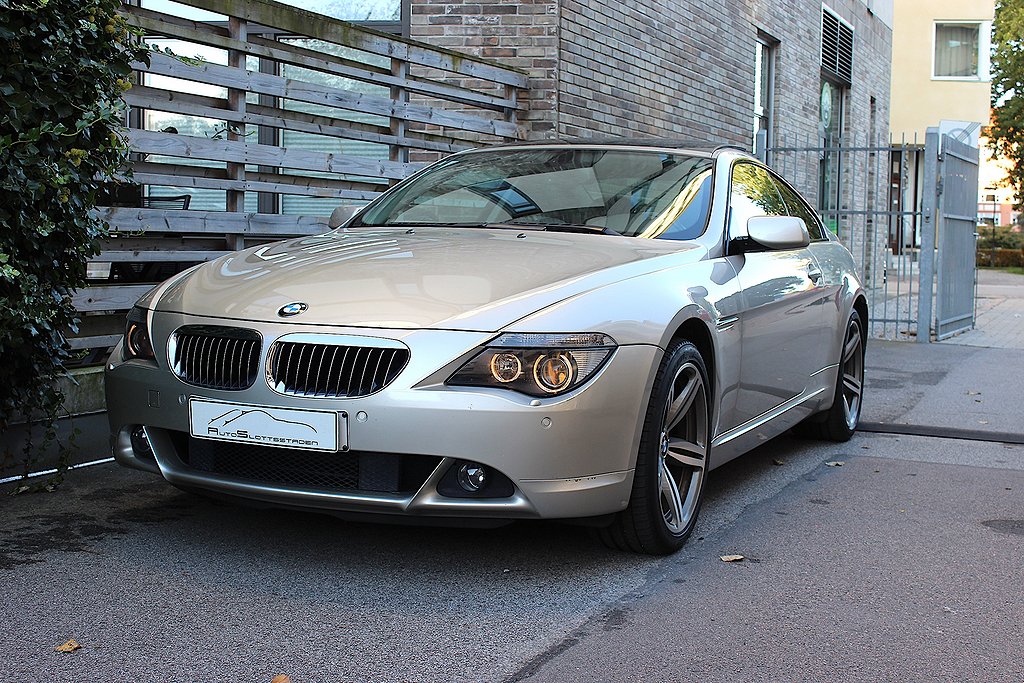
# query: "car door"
830,304
781,335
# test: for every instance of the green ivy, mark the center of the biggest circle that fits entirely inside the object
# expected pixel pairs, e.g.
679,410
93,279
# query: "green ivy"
63,67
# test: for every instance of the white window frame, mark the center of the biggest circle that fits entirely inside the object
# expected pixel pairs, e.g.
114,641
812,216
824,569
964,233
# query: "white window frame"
984,50
768,106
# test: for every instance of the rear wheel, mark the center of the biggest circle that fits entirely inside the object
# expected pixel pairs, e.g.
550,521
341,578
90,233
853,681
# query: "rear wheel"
672,461
839,422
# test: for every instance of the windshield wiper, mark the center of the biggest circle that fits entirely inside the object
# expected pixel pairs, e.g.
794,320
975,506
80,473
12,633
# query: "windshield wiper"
575,227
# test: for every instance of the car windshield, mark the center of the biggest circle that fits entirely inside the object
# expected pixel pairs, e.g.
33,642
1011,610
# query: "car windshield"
624,192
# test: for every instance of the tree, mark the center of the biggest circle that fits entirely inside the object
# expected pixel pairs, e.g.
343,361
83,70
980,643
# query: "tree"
63,67
1006,134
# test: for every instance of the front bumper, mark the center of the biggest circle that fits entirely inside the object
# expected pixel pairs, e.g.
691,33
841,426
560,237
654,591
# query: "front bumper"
567,457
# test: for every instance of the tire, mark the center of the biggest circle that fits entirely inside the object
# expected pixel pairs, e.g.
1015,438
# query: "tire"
672,461
839,422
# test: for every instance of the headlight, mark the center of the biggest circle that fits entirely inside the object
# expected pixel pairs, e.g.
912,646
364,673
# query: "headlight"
137,343
536,364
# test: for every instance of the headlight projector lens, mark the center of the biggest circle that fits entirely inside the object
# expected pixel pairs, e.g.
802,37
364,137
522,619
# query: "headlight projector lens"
506,367
553,373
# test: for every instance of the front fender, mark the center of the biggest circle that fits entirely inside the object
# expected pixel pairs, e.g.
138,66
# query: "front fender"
651,308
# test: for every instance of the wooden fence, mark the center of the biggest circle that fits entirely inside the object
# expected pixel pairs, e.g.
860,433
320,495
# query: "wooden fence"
285,72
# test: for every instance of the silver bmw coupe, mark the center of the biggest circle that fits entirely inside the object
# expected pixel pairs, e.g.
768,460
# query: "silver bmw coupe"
561,330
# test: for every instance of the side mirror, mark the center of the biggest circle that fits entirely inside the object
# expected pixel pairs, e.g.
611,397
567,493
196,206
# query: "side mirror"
778,232
342,215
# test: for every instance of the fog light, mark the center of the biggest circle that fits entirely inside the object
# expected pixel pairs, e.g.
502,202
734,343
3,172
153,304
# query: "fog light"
140,443
472,477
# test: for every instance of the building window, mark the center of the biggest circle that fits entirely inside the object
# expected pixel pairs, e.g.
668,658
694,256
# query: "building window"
961,50
830,166
764,56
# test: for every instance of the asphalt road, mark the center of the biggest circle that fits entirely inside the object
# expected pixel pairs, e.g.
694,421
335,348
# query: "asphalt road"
904,564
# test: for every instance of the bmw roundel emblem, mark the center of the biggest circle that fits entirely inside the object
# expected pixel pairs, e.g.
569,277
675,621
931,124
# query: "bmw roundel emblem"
291,309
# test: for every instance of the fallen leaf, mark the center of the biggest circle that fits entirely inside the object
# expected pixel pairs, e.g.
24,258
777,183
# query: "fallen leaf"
778,463
835,463
69,646
281,678
731,558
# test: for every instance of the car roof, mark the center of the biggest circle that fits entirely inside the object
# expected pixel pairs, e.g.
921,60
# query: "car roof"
694,147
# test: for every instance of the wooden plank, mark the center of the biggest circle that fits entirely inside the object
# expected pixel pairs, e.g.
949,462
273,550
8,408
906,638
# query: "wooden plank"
94,342
156,255
242,152
250,184
238,29
305,23
216,108
204,173
176,175
108,298
325,125
142,221
156,22
162,243
314,93
311,59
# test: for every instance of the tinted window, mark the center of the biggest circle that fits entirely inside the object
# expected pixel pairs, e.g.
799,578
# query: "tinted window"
754,193
798,208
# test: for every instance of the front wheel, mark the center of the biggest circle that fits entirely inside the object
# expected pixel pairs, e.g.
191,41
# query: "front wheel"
672,461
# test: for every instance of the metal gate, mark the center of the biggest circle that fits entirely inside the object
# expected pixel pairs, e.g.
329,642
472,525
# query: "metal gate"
954,238
886,200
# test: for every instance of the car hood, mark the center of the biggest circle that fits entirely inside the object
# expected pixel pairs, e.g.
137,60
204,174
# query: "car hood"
447,278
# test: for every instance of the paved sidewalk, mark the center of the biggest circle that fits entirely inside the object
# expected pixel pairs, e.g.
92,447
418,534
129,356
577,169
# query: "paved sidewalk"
1000,321
948,386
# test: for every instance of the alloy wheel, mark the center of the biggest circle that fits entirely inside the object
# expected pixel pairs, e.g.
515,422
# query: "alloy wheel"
853,374
682,461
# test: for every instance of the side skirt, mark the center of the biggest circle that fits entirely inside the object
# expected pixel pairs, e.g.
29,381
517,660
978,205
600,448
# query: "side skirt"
769,424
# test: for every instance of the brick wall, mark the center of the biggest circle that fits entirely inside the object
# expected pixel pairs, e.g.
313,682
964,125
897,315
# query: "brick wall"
661,68
521,34
674,68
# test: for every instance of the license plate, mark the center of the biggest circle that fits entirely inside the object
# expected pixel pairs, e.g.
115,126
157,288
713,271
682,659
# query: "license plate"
313,430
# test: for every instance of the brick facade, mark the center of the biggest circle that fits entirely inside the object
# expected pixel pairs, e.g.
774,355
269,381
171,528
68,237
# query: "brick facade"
675,68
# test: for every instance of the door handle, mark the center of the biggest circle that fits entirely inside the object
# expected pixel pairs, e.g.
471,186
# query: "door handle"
814,274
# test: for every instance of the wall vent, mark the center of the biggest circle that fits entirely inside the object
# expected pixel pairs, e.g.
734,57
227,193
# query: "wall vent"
836,46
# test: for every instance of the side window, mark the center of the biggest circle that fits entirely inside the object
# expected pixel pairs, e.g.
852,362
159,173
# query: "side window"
798,207
753,193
